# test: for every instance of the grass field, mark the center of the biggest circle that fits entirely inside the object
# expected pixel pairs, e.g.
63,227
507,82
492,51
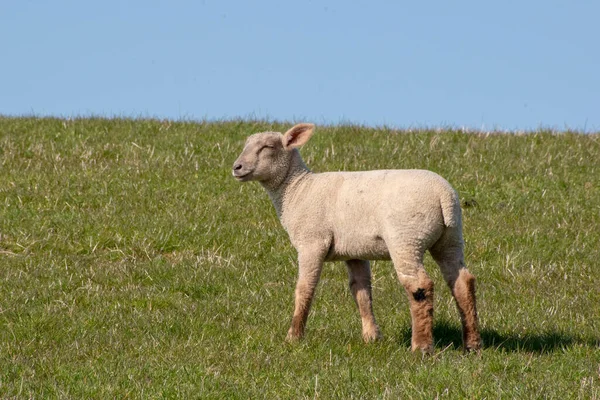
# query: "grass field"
132,265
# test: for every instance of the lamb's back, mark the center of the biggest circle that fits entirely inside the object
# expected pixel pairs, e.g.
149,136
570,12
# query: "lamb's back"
373,208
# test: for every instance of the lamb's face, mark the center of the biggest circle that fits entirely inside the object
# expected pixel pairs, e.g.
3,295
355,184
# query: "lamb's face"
263,158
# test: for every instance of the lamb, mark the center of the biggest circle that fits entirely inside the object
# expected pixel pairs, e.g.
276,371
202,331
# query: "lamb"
359,216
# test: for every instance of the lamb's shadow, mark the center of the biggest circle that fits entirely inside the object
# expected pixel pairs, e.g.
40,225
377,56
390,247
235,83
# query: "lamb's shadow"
447,334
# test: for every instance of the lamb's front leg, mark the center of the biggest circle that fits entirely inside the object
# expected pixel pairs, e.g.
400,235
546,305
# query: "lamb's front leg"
309,271
359,274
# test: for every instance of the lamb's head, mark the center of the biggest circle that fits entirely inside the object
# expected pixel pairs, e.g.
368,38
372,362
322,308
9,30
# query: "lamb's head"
267,156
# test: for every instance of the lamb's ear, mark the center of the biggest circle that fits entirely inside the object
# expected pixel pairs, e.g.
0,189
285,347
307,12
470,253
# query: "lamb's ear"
297,135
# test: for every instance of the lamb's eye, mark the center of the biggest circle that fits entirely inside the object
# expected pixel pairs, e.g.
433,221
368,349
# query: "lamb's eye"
267,146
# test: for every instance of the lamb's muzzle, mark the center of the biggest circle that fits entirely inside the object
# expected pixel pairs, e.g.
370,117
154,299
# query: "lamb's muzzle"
393,215
240,173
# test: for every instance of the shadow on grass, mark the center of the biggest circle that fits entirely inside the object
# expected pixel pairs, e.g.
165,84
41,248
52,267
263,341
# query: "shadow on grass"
446,334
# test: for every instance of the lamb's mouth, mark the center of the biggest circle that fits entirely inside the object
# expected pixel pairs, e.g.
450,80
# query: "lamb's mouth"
242,177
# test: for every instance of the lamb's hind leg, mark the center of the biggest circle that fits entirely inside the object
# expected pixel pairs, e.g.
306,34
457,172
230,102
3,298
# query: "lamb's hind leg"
359,274
419,288
462,284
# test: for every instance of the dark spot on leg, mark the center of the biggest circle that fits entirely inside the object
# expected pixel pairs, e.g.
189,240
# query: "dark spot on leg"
419,295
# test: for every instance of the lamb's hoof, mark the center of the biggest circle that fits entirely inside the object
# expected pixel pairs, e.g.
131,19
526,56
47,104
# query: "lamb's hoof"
293,337
425,349
472,347
372,336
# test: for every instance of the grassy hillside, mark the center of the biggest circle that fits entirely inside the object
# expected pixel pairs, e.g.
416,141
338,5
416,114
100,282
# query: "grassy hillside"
132,265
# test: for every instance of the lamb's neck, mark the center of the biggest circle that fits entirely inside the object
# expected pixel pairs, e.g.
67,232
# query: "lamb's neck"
284,189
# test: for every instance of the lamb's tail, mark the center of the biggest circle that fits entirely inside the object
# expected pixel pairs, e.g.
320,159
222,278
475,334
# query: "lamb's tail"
451,211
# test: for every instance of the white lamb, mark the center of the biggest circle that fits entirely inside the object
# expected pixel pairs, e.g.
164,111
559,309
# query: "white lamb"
360,216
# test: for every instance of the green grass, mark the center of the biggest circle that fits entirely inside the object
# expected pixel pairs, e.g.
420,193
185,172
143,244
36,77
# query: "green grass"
132,265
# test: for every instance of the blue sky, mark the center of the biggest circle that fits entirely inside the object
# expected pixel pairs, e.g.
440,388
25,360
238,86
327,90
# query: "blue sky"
502,65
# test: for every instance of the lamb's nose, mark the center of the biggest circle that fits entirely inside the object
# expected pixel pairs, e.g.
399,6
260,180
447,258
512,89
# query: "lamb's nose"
237,167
